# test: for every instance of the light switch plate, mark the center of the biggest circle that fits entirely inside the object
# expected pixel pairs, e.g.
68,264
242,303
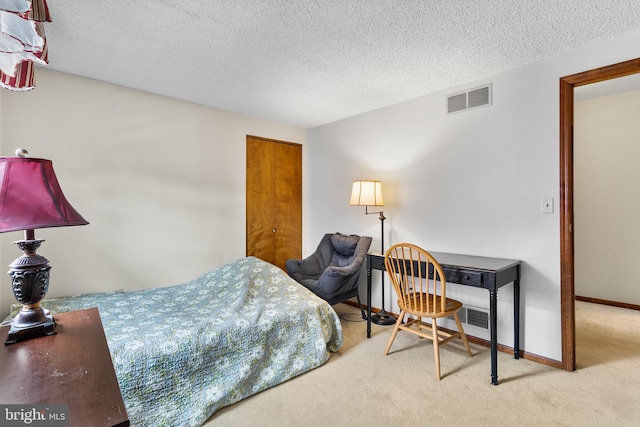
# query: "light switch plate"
547,205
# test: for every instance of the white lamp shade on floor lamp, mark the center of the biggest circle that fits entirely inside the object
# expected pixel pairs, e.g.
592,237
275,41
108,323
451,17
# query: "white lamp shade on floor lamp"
366,193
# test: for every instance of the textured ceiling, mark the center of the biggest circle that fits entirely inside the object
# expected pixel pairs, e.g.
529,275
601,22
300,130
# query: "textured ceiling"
307,63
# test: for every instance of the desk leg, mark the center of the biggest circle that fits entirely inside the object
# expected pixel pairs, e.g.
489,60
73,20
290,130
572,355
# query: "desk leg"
516,319
493,310
368,302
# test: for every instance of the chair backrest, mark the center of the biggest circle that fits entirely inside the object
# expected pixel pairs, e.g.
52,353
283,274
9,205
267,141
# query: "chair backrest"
417,278
340,250
345,249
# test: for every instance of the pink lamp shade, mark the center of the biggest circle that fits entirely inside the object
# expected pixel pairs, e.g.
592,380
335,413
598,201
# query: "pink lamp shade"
30,196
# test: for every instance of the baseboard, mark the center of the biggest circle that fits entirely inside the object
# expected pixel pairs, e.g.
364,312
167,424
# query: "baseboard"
485,343
606,302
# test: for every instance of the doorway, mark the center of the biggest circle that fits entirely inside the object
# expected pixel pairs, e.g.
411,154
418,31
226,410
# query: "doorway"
567,283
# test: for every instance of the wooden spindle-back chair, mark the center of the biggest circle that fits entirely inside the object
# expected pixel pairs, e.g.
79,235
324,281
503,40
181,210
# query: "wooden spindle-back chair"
420,285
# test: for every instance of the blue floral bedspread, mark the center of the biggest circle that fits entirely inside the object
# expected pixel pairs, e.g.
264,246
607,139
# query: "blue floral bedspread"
182,352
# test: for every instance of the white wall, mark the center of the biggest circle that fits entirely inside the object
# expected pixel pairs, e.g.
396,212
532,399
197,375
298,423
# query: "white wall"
162,182
469,182
606,199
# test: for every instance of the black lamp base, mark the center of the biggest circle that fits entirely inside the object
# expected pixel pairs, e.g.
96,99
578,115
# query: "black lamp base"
30,282
383,318
23,333
31,322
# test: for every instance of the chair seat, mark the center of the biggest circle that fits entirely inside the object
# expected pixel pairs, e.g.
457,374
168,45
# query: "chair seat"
423,305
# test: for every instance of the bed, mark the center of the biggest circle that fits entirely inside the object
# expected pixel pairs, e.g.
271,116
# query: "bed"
182,352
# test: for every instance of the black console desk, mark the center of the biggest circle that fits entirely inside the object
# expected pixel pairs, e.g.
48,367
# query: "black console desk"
479,272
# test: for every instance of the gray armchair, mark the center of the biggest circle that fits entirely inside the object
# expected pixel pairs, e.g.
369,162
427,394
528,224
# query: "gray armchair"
332,271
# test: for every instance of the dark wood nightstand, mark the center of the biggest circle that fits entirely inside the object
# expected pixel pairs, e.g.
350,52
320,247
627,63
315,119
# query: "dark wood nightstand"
72,367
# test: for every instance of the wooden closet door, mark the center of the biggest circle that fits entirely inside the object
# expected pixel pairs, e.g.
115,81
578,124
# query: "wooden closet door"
274,200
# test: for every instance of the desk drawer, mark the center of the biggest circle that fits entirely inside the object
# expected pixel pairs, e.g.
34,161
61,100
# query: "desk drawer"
452,273
469,278
377,263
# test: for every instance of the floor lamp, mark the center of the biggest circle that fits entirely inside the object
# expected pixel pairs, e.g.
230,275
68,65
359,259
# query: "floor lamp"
369,193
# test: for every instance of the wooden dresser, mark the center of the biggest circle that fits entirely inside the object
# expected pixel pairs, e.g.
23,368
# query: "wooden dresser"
72,367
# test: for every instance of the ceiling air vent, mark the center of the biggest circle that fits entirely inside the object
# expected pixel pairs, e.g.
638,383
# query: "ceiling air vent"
474,98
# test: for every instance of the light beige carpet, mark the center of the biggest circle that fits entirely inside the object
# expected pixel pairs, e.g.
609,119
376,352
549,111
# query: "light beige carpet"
359,386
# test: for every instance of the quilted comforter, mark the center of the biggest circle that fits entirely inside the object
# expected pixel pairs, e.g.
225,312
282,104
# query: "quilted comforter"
182,352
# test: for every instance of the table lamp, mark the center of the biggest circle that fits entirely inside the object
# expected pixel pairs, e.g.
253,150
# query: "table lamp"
30,198
369,193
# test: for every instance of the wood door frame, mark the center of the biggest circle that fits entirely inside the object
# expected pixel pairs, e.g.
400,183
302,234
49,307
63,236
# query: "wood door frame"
567,259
